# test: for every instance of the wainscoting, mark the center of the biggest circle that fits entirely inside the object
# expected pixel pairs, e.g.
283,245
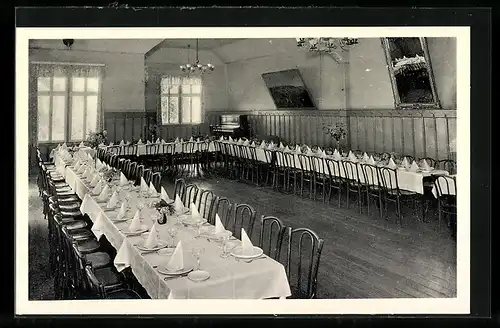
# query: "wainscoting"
417,133
130,126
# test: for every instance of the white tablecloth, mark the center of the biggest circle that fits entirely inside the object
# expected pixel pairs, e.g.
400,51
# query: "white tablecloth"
229,278
140,150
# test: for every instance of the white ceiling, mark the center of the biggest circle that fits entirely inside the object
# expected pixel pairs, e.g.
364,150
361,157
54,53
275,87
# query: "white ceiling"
134,46
203,44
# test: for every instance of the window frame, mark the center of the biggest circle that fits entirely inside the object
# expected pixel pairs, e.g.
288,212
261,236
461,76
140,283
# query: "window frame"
436,104
179,95
68,94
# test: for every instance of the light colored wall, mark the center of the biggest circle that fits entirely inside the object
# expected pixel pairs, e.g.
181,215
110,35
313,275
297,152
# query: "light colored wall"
123,83
443,53
166,61
369,84
323,77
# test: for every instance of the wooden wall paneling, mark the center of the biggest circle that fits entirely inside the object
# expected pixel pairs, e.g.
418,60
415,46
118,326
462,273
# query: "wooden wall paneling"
420,139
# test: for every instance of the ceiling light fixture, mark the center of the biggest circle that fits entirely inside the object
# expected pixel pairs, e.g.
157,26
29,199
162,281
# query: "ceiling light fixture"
196,66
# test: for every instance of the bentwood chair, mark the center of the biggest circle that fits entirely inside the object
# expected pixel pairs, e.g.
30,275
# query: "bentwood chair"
139,174
205,205
148,174
270,167
372,186
106,283
243,216
335,181
166,153
191,195
445,188
271,235
448,165
320,174
392,193
353,183
132,171
430,161
156,180
223,208
180,188
307,173
302,263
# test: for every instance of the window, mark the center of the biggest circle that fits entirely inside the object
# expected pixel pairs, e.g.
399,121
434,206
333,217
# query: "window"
67,102
181,100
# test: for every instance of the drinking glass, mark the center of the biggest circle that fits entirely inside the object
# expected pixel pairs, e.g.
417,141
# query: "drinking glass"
172,231
199,224
197,253
224,240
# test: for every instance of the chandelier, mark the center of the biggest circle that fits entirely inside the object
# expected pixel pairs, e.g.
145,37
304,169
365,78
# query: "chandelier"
326,44
196,66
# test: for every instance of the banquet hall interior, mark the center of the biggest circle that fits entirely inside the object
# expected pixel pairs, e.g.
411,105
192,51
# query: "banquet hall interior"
242,168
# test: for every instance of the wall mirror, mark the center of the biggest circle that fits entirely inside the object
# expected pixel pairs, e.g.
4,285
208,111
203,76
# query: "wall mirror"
411,73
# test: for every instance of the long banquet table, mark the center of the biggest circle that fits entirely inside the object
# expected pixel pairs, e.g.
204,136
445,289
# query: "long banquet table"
229,278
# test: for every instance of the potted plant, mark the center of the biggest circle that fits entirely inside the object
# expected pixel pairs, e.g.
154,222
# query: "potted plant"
338,132
94,139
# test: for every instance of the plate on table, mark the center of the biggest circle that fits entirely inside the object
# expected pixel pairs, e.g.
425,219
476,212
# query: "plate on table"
141,230
111,209
166,271
238,253
198,275
184,211
116,219
189,221
161,244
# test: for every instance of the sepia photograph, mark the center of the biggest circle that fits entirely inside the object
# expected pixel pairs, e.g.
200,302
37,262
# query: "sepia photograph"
313,164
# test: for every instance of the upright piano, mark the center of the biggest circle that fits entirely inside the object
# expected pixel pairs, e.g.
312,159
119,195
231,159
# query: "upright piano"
235,126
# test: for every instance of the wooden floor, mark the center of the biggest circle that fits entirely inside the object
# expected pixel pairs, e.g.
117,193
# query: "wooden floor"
363,257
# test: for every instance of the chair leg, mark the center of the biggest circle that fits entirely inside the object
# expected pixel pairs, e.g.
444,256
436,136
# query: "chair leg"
380,206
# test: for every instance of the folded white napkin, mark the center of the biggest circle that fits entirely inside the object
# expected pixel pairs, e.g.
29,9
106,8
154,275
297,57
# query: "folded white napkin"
82,144
98,164
271,144
178,206
221,138
263,144
113,200
152,189
246,143
371,160
319,150
391,164
195,215
135,225
139,142
164,195
176,140
323,154
176,262
191,139
297,149
230,139
151,241
413,167
425,165
103,196
352,157
163,142
337,156
97,189
365,157
122,143
144,185
94,181
81,169
309,152
148,142
405,163
286,148
281,145
86,173
197,139
122,211
158,140
111,143
123,179
240,142
218,224
64,145
102,144
246,244
253,144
